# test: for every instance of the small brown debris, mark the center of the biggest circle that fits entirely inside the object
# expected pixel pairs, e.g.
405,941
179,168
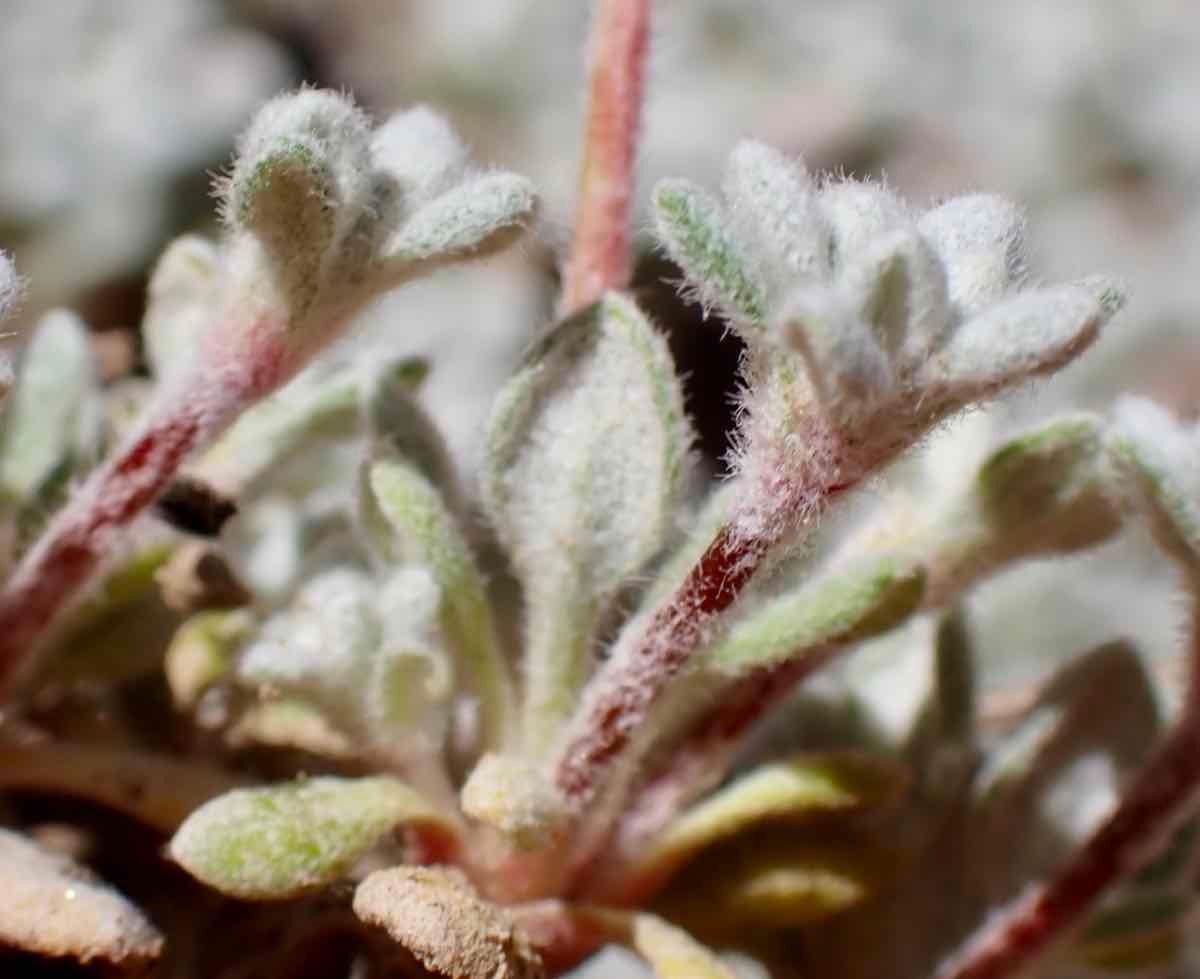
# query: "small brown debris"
195,507
435,915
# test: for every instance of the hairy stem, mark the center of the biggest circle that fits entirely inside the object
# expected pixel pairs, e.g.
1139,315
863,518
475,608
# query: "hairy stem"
1162,796
599,258
85,531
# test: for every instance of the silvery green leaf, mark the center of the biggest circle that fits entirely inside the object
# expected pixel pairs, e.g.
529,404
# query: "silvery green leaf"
301,182
181,302
1033,333
899,287
514,796
474,218
409,521
843,605
1048,491
846,364
279,841
772,202
585,454
1159,456
858,211
51,418
698,237
54,907
306,410
980,239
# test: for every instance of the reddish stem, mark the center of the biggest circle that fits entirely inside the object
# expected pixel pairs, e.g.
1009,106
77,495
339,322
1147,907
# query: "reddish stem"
1156,803
599,258
621,695
1162,796
83,533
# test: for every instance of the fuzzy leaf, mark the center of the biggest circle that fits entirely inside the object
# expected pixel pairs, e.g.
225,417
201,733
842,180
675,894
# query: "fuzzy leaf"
584,460
181,301
802,787
696,233
772,200
302,181
980,238
475,218
433,914
859,212
1158,456
54,907
1033,333
418,526
267,434
844,606
279,841
898,287
10,285
50,418
420,152
848,368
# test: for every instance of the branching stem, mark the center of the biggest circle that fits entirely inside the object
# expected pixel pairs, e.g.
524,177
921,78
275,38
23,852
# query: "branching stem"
1162,796
599,258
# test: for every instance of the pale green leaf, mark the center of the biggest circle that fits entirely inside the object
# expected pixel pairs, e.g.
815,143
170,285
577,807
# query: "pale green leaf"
418,526
51,417
802,787
846,605
279,841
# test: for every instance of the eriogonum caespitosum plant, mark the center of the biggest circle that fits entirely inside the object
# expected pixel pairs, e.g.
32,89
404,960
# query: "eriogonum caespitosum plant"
534,710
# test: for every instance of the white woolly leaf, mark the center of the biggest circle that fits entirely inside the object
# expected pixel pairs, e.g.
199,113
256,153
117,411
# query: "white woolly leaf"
697,235
1033,333
282,840
980,238
54,907
323,647
584,459
420,152
898,286
845,605
772,202
400,426
51,415
848,367
857,213
302,178
476,217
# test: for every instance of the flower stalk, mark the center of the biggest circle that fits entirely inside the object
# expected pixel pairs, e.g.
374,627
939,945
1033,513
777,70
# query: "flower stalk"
599,258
